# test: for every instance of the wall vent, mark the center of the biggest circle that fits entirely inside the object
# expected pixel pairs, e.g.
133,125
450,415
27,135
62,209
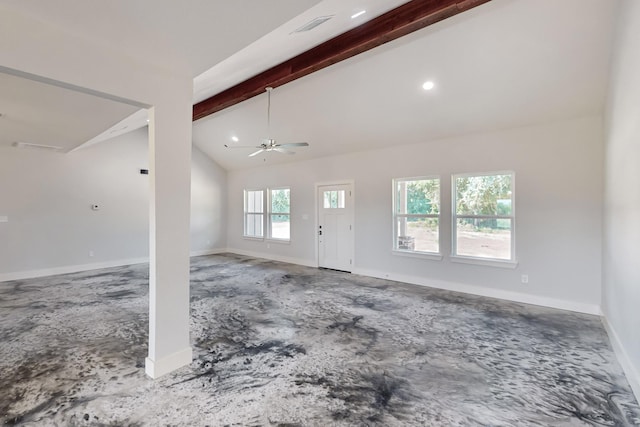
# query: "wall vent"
313,24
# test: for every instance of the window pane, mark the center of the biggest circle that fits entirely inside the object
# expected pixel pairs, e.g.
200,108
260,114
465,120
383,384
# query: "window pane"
258,221
419,197
250,202
280,226
259,205
334,199
254,225
483,195
484,238
340,199
254,201
280,201
417,234
327,199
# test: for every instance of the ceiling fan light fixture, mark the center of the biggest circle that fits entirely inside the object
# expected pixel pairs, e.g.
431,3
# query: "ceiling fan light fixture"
269,144
235,138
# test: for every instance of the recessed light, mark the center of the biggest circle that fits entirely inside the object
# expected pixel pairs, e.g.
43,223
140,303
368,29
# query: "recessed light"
355,15
235,139
428,85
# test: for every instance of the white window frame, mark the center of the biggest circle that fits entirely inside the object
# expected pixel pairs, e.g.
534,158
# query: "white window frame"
247,213
395,216
498,262
270,214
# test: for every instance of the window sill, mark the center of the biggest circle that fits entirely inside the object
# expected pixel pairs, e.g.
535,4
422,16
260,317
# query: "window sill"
280,241
256,239
486,262
414,254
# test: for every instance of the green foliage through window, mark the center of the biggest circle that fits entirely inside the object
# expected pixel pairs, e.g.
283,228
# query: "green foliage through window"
417,210
483,195
418,197
484,216
280,201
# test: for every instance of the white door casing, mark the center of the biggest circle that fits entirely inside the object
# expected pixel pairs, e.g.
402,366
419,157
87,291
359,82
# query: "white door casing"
335,226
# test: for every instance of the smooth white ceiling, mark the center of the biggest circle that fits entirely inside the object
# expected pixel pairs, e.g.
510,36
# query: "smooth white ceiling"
283,43
507,63
271,49
504,64
39,113
185,36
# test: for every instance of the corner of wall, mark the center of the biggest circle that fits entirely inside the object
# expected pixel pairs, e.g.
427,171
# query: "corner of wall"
633,376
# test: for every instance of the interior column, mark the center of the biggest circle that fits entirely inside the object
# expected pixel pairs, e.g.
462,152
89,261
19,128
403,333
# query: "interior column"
170,178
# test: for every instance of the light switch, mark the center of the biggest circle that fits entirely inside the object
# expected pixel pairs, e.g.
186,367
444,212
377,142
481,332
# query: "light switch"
4,218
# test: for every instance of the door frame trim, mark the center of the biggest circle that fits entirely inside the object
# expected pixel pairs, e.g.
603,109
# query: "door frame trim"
352,183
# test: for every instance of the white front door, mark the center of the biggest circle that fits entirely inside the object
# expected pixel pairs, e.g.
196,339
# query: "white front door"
335,226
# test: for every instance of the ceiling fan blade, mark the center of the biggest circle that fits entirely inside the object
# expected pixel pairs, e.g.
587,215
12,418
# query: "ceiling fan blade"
242,146
279,149
294,144
257,152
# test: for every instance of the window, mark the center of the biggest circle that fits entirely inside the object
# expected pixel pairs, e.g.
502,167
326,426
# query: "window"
334,199
280,214
277,220
416,214
253,213
483,216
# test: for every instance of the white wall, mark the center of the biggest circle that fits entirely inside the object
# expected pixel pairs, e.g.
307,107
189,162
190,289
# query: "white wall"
47,197
621,279
208,204
34,48
559,175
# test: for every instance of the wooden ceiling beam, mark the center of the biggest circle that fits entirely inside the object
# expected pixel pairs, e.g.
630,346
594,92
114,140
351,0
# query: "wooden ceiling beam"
403,20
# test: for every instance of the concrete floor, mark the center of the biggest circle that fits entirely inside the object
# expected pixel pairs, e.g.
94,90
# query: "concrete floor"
284,345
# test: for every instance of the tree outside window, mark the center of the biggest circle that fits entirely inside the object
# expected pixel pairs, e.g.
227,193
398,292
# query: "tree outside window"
417,214
484,216
280,214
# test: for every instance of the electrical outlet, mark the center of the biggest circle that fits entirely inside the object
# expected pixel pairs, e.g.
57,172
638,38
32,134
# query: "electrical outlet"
268,246
90,253
524,278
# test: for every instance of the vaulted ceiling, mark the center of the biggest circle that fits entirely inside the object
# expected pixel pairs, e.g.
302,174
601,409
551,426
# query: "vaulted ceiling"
506,63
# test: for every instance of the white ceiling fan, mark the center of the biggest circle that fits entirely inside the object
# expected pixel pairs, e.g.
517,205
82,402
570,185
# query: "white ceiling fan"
270,144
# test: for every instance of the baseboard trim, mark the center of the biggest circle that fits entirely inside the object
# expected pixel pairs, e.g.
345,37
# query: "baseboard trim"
204,252
290,260
484,291
157,368
32,274
578,307
632,374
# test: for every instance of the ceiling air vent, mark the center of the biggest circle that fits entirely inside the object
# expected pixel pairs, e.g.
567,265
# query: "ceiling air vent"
313,23
36,146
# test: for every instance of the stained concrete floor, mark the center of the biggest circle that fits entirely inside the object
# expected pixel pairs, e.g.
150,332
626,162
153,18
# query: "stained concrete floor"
284,345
